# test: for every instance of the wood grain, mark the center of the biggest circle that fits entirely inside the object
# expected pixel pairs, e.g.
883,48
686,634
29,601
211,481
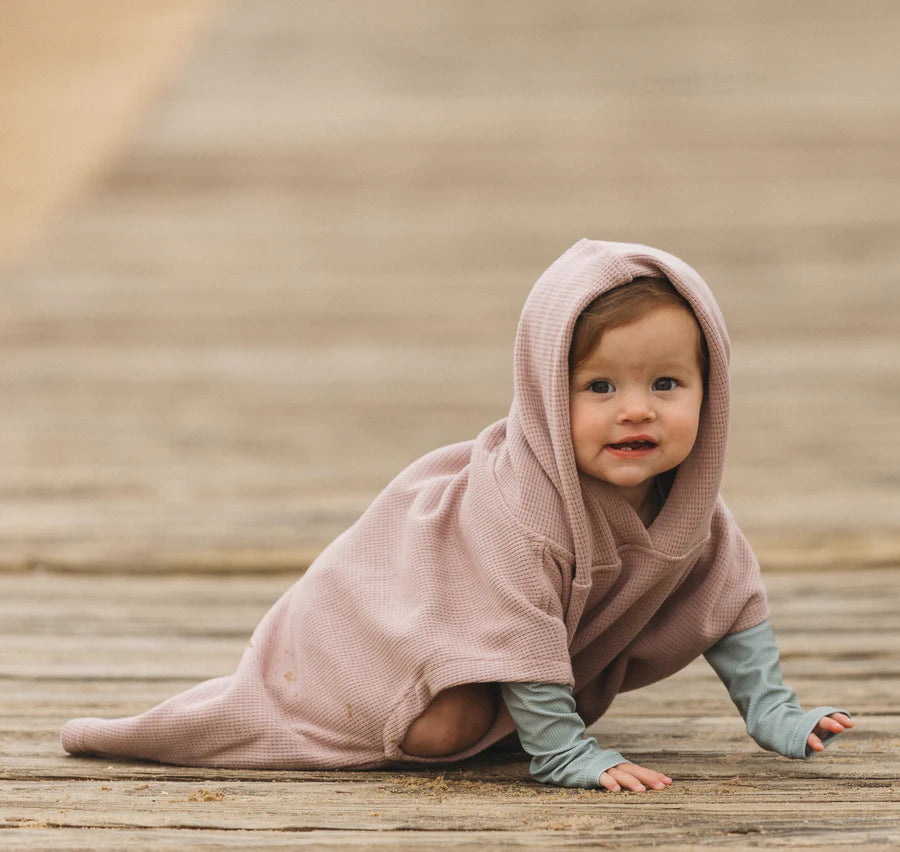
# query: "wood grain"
306,269
126,643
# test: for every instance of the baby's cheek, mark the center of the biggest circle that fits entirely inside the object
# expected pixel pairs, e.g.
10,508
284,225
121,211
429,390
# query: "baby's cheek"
687,429
576,425
580,446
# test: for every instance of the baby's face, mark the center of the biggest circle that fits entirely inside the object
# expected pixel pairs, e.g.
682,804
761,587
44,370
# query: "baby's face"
635,402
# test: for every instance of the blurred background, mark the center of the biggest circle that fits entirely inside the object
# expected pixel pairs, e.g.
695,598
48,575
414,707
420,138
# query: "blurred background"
256,257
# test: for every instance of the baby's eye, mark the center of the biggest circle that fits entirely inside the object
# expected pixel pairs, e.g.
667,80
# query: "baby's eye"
667,383
601,386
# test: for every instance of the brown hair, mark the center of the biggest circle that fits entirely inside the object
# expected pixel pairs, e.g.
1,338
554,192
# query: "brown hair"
621,306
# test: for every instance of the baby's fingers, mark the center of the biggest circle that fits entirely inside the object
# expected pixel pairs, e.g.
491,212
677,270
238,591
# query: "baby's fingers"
630,776
833,724
616,779
842,719
836,723
610,783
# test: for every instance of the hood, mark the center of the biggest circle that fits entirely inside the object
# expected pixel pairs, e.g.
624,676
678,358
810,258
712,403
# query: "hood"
538,429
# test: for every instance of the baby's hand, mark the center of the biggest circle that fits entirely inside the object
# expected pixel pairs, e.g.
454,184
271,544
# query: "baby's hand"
633,777
836,723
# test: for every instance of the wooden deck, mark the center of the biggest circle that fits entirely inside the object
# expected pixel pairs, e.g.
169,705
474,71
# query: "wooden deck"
305,270
87,645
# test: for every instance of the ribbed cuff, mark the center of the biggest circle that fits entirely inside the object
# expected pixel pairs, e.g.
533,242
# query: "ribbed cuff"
606,759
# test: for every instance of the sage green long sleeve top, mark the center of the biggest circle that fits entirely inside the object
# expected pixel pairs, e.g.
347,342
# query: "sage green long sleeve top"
552,732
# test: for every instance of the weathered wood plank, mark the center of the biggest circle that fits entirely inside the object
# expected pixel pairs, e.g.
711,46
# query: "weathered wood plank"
684,763
553,836
392,793
731,808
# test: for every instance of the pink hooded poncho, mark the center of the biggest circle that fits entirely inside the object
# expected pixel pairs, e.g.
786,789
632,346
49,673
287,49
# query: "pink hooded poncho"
487,560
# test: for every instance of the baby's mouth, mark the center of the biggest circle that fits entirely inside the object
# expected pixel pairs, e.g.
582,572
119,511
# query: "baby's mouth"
632,446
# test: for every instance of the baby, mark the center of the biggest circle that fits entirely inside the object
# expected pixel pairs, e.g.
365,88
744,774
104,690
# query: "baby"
575,549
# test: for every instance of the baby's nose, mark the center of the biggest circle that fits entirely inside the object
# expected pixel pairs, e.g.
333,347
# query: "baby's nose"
636,408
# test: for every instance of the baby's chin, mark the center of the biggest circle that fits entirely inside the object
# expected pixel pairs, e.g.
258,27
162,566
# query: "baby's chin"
624,481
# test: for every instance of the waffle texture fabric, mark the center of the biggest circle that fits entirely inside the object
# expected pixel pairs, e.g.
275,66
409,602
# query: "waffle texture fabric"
489,560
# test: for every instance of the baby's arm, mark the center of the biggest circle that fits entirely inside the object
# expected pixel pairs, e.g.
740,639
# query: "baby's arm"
748,664
552,732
